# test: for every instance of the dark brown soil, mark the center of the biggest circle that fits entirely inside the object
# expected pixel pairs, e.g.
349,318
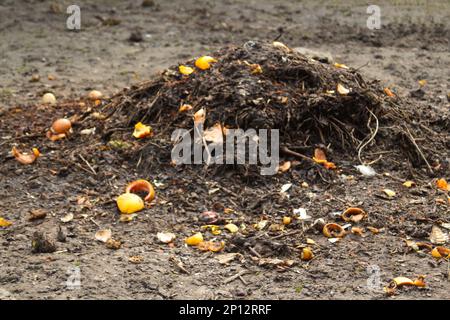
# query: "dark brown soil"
83,174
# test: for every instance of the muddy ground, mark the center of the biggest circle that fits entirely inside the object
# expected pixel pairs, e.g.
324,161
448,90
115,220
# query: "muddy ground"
412,45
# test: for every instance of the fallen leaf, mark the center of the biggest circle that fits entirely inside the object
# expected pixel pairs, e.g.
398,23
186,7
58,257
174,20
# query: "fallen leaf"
113,244
409,183
136,259
141,130
390,193
67,218
357,231
165,237
226,258
260,225
282,46
437,236
103,235
285,187
373,230
25,158
37,214
320,158
287,220
231,227
213,246
4,223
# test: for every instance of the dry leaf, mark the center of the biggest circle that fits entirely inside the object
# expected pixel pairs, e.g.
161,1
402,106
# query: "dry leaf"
213,246
37,214
437,236
232,227
103,235
165,237
373,230
226,258
403,281
390,193
113,244
136,259
409,183
357,231
67,218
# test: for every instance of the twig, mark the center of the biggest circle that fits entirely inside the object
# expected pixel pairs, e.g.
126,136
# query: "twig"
88,164
418,149
287,234
289,152
237,275
370,139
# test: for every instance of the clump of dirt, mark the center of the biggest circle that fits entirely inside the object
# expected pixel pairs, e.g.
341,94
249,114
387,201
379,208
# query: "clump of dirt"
260,85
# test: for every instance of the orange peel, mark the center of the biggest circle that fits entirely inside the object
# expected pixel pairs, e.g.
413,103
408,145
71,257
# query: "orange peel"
129,203
141,130
333,230
141,185
353,214
25,158
204,62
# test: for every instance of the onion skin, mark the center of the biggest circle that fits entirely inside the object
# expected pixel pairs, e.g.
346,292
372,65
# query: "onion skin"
142,185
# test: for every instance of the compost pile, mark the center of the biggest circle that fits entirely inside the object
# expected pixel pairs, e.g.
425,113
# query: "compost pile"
264,85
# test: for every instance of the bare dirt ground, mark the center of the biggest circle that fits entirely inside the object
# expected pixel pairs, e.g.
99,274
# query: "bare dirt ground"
412,45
